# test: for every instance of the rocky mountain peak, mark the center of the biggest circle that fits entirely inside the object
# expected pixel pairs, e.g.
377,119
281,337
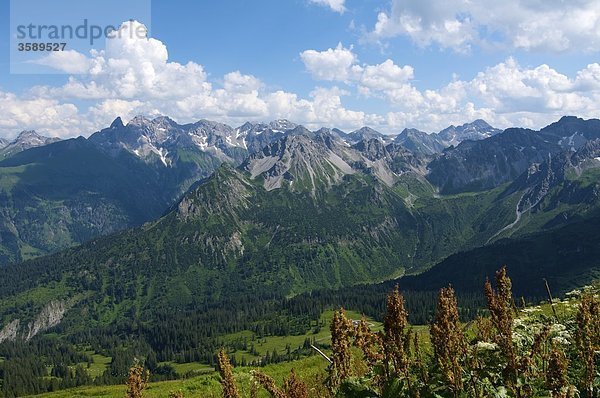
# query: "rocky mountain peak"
139,120
25,140
420,142
479,123
27,134
365,133
31,138
572,132
117,123
300,161
372,149
476,130
281,125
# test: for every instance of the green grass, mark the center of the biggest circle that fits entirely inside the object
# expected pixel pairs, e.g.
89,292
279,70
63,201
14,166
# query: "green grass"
99,365
280,343
10,177
183,369
28,252
311,369
38,296
205,386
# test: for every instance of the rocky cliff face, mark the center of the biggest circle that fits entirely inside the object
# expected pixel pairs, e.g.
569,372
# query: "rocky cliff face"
50,316
475,131
541,179
10,331
485,164
420,142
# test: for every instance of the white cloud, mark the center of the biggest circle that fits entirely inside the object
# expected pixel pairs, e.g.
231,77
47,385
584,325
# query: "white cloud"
237,82
341,64
327,105
68,61
384,76
335,5
324,108
550,25
59,119
331,64
135,76
506,94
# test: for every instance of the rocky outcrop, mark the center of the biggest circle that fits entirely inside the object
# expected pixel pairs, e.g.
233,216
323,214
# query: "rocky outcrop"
10,331
50,316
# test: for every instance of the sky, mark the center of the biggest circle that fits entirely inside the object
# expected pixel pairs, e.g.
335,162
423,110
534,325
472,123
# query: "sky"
388,64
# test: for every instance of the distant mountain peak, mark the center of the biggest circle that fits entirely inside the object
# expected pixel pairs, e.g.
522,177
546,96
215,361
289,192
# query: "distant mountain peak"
367,130
281,125
568,118
479,123
27,134
299,130
139,120
117,123
25,140
300,161
247,126
474,131
367,133
31,138
412,131
420,142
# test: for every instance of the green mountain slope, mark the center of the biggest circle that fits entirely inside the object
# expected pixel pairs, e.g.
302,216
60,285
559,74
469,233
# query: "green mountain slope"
63,194
566,257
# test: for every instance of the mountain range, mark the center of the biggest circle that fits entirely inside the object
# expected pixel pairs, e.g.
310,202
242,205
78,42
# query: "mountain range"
309,210
125,175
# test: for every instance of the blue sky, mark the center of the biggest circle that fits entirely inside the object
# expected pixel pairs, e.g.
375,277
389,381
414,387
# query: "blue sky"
346,63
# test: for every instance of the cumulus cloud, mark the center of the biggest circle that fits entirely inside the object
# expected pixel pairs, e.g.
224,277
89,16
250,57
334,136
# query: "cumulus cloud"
341,64
59,119
331,64
551,25
135,76
237,82
335,5
506,94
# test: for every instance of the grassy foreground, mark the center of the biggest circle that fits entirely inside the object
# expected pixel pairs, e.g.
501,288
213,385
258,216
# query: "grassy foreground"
311,369
527,352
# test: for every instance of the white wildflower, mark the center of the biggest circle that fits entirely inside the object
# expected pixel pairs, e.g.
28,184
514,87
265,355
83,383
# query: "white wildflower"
485,346
560,340
518,323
